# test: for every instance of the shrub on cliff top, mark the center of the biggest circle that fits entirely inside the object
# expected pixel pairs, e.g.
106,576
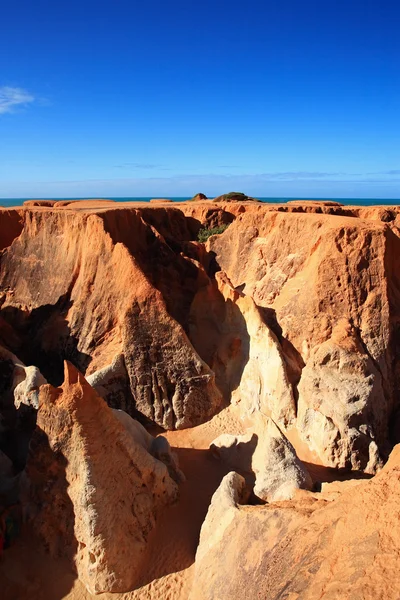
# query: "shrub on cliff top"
197,197
233,196
204,234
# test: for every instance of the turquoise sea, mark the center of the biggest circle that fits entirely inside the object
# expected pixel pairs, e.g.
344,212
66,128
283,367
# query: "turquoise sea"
347,201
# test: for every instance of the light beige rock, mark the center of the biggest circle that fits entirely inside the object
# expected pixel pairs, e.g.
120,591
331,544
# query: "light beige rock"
340,403
278,470
111,383
223,507
236,451
229,332
25,382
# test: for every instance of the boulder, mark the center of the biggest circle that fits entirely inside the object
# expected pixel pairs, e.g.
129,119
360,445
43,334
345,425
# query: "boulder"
277,468
268,455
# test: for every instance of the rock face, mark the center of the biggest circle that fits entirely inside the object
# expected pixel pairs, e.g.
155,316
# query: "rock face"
327,287
293,312
340,409
92,489
231,335
305,548
110,292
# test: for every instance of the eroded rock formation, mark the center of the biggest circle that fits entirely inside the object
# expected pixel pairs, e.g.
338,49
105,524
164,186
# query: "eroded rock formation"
91,288
92,489
285,326
308,548
329,289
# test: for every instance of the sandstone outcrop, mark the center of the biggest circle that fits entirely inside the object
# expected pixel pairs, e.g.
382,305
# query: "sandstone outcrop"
199,197
92,489
235,197
93,289
329,289
304,548
340,402
122,290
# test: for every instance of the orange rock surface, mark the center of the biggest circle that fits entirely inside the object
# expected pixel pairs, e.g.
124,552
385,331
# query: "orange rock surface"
307,549
92,490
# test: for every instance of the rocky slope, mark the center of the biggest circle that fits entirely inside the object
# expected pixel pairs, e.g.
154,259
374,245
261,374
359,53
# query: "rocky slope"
310,548
270,351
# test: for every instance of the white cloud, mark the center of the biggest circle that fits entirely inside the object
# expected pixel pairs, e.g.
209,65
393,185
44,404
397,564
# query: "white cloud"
11,97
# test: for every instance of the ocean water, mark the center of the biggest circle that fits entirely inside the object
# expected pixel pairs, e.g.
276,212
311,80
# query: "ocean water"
347,201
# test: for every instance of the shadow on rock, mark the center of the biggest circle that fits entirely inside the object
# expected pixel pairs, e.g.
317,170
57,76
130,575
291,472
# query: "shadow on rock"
43,338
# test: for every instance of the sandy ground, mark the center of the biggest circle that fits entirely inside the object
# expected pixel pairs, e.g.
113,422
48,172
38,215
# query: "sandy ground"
28,573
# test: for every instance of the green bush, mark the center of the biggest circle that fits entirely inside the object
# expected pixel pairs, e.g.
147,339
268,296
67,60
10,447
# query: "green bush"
233,196
204,234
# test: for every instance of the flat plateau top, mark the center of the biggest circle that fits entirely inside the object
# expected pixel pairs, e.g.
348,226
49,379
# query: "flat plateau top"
373,216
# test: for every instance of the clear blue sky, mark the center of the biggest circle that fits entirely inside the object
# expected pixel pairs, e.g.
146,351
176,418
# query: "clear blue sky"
128,98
